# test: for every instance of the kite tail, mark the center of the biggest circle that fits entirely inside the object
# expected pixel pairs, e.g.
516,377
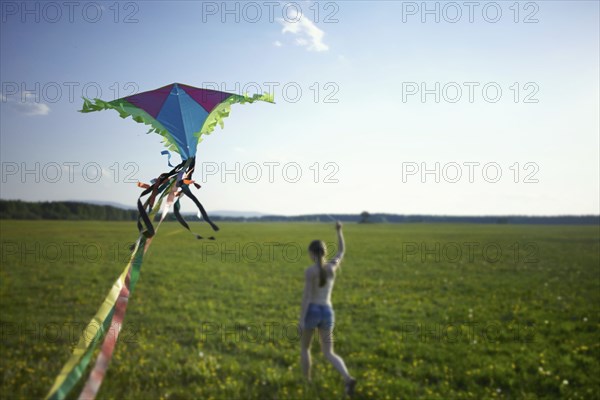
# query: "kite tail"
180,175
144,222
109,317
186,190
96,377
184,223
110,314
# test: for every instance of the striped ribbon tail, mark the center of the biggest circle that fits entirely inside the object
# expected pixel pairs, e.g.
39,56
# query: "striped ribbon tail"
108,318
75,367
110,340
96,377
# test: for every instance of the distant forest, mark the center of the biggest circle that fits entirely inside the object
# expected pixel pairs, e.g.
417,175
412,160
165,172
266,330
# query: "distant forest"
16,209
69,210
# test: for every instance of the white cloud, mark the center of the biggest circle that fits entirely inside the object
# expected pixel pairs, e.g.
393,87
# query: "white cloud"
308,34
29,108
26,105
28,95
277,43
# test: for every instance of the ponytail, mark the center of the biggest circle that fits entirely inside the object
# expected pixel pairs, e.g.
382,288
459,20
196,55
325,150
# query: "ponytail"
322,273
317,247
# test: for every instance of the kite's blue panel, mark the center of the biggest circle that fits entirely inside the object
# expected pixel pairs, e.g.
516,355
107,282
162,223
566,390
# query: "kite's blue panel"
182,117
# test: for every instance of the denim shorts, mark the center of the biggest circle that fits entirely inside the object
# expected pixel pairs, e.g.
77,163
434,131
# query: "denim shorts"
319,316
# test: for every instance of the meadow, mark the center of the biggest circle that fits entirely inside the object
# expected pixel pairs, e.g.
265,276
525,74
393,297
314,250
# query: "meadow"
434,311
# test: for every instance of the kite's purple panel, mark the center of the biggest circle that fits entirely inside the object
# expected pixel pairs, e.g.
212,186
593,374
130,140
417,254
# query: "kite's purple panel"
207,98
151,101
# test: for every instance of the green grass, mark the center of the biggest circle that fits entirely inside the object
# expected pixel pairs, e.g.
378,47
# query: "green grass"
521,326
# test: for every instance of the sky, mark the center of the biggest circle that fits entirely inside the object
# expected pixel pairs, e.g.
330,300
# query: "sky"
444,108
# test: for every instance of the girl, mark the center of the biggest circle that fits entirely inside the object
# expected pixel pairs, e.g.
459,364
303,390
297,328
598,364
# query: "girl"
317,311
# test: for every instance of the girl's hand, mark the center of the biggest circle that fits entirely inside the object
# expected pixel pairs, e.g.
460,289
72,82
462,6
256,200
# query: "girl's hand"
338,225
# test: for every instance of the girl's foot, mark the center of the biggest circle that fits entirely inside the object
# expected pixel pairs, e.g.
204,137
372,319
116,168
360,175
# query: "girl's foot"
350,384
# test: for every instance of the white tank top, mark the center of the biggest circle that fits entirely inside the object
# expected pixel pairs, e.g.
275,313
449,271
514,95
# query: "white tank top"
322,294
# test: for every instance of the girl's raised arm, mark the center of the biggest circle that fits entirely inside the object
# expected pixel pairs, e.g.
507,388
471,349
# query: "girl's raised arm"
341,246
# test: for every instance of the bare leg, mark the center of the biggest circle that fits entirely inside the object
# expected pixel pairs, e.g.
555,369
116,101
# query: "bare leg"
305,339
334,359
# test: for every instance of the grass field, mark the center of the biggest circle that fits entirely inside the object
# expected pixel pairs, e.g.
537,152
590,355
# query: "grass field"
422,310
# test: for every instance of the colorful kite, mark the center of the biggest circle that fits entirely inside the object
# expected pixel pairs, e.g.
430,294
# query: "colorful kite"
181,114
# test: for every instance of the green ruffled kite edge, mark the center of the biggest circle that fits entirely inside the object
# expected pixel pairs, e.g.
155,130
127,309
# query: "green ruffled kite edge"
126,109
222,111
216,117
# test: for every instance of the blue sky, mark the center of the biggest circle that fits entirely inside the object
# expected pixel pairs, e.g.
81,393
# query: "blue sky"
360,119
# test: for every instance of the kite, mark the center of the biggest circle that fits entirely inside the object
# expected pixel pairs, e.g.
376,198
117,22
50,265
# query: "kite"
181,114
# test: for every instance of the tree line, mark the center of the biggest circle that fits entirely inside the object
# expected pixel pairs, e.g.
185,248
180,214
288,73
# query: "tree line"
72,210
